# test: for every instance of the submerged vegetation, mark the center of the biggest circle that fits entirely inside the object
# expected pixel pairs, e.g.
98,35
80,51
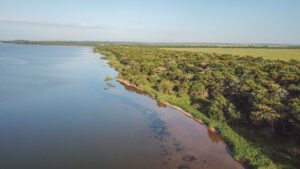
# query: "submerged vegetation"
253,103
108,78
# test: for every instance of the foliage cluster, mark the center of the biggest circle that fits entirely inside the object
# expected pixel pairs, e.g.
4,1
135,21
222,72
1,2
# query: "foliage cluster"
233,92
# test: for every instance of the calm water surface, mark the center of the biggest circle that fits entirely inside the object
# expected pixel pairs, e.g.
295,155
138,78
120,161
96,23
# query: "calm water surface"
57,112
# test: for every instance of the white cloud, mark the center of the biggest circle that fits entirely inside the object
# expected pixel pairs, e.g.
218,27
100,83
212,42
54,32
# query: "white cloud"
56,24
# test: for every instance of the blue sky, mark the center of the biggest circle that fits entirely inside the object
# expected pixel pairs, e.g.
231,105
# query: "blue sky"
243,21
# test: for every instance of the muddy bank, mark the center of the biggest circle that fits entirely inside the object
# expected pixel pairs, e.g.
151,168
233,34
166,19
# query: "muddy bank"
165,103
187,146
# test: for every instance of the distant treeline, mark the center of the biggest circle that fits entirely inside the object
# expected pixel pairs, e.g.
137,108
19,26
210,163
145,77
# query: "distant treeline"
146,44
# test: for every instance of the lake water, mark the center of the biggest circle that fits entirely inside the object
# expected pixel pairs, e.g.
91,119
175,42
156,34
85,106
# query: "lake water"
58,112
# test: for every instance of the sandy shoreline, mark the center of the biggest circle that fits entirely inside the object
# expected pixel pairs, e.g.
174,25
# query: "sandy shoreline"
211,129
128,84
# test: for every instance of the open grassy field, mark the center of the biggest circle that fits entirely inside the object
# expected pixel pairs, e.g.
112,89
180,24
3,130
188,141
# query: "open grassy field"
268,53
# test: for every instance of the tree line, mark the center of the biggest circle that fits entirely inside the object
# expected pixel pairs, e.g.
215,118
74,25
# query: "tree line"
247,93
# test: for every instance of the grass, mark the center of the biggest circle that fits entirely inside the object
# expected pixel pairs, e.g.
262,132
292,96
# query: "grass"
268,53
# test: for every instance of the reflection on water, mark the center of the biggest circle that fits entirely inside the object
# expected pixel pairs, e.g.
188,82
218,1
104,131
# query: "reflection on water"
58,111
135,90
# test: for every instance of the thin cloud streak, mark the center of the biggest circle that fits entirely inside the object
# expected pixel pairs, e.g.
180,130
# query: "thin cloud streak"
58,24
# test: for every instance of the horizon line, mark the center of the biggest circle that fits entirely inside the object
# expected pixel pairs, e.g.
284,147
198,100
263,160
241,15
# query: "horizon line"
157,42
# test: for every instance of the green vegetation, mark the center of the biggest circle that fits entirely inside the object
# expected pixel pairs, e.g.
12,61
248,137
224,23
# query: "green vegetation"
253,103
108,78
109,84
268,53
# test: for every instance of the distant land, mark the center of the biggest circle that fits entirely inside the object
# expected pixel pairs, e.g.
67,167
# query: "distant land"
173,44
284,52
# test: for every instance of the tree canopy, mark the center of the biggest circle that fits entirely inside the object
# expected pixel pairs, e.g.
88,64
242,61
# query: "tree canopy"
261,94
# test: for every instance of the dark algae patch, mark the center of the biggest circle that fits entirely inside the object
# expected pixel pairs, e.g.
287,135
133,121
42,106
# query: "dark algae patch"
251,102
170,148
189,158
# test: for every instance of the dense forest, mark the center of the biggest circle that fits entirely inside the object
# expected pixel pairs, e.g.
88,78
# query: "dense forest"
253,103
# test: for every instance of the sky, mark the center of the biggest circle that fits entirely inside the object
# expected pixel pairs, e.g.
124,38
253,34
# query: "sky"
215,21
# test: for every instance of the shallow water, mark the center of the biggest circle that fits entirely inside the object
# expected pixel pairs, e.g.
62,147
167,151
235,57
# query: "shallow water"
57,111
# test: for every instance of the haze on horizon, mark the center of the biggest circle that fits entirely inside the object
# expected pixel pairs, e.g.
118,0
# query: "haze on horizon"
221,21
